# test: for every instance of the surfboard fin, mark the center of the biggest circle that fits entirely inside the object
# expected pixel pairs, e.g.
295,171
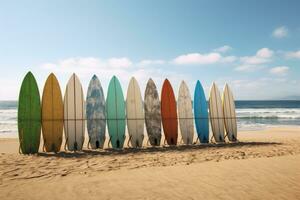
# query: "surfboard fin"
211,139
128,142
66,142
196,140
109,141
155,141
75,146
172,141
88,144
20,152
118,144
44,147
226,135
222,139
21,142
148,142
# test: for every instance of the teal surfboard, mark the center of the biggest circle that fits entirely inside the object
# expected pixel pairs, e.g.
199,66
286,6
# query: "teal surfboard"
115,108
29,115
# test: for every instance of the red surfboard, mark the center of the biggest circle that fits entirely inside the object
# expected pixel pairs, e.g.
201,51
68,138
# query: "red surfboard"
169,113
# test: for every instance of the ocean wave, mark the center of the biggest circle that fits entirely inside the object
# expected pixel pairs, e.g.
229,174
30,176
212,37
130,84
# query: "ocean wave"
268,113
8,131
13,110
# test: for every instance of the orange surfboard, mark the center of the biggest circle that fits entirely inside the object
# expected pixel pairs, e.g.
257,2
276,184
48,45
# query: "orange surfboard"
52,115
169,113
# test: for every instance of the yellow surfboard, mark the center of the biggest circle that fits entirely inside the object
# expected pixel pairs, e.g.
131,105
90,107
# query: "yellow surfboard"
52,115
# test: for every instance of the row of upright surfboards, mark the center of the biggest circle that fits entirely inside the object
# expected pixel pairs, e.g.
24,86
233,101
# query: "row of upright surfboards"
54,114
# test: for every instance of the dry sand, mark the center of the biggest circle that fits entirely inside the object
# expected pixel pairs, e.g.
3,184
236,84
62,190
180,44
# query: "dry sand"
265,164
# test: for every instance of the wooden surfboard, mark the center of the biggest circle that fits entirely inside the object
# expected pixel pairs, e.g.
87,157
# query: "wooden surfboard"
152,113
185,114
29,115
95,113
169,113
216,113
52,115
74,114
135,114
115,108
201,114
229,114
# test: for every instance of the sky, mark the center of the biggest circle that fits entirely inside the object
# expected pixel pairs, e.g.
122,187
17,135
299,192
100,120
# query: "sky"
254,46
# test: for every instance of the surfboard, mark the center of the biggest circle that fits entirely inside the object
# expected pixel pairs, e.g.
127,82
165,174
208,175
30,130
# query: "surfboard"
52,115
95,113
201,114
29,115
74,114
185,114
216,113
169,113
152,113
115,108
135,114
229,114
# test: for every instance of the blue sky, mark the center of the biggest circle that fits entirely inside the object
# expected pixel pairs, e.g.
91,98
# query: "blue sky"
252,45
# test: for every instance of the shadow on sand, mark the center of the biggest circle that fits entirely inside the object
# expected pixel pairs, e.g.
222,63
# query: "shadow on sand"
146,150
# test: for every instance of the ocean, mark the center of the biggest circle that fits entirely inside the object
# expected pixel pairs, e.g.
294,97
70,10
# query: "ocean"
251,115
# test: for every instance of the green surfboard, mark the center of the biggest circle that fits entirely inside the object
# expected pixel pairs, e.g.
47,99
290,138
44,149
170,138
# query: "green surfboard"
29,115
115,107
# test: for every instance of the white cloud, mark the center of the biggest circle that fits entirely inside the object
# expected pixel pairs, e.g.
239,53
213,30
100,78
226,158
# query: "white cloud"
262,56
248,68
254,63
151,62
293,54
229,59
201,59
123,68
197,58
280,70
119,62
264,53
87,65
280,32
223,49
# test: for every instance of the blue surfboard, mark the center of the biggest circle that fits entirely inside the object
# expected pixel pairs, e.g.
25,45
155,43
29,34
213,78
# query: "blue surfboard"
201,114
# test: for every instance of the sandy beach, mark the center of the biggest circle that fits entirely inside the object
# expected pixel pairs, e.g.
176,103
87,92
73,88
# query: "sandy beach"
265,164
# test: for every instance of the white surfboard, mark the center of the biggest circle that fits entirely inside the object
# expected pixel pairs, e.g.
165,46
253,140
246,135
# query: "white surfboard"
135,114
229,114
185,114
74,114
216,113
